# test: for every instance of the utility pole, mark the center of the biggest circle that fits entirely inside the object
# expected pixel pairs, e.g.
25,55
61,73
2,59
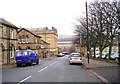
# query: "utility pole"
87,32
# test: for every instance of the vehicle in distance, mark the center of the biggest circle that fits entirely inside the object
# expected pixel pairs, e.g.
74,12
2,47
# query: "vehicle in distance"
75,58
60,55
114,56
27,57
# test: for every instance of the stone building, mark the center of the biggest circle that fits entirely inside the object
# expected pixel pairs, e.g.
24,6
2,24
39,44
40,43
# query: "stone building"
28,40
8,41
48,35
45,49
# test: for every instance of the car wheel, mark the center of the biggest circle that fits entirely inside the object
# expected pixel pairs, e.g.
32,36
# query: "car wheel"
37,62
18,65
31,63
116,59
80,63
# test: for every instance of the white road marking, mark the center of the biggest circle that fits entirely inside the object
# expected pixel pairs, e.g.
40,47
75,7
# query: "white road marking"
25,79
42,69
55,61
51,64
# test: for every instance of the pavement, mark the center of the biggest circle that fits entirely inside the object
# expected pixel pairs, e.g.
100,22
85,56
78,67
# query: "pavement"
101,69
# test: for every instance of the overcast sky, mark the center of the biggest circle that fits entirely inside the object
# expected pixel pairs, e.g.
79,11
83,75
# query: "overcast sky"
60,14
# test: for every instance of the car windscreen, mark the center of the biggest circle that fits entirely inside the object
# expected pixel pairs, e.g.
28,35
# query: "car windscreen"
21,53
75,55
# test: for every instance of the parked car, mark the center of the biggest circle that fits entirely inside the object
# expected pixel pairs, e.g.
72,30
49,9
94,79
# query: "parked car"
26,57
60,55
114,56
97,55
75,58
104,55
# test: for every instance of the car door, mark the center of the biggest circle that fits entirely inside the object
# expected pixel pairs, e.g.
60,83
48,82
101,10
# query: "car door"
31,56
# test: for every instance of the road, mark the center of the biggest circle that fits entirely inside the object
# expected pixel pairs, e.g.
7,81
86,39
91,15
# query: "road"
53,70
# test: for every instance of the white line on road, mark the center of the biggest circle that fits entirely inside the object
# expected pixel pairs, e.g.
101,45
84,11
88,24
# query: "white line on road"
25,79
42,69
55,61
51,64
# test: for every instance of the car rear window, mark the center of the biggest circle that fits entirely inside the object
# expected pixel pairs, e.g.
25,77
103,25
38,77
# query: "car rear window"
22,53
76,55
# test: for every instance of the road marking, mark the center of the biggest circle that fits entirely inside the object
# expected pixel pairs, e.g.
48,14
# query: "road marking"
25,79
51,64
42,69
55,61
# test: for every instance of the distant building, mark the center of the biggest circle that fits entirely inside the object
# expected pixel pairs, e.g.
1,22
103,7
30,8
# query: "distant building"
64,46
8,41
48,35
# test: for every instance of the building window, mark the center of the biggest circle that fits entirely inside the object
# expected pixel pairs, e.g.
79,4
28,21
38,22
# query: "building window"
12,34
12,51
36,40
23,39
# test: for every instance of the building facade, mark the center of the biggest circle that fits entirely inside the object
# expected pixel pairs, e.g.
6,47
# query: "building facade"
28,40
45,49
8,41
48,35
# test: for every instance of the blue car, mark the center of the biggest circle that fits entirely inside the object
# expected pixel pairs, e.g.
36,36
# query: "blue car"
26,57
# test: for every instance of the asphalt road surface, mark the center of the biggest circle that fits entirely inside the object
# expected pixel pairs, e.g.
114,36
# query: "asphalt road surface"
53,70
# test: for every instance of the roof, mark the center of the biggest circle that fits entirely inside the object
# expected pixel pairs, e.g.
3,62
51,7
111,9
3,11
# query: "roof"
29,32
36,29
45,42
6,23
43,30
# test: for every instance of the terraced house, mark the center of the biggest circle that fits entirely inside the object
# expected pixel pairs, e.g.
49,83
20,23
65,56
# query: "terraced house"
8,41
48,35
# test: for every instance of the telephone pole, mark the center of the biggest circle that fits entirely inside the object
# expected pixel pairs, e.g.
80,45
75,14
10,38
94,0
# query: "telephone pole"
87,32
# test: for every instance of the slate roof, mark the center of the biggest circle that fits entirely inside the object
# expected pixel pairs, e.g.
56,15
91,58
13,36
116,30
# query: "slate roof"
6,23
29,32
